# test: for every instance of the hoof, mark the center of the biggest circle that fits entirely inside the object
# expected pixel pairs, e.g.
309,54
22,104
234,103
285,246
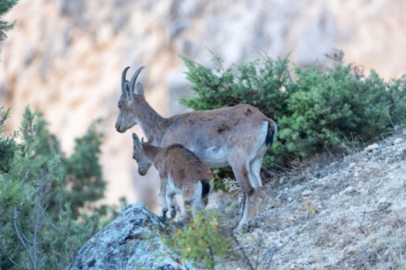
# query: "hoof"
241,229
162,218
252,224
244,228
163,212
173,213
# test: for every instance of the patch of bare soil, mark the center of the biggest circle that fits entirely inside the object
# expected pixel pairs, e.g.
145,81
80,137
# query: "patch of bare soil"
349,214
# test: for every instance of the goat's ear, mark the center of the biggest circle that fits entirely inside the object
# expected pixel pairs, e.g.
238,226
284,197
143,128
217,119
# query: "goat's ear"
128,91
135,139
140,89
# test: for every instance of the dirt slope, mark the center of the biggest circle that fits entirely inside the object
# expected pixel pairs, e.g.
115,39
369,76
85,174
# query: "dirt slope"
348,214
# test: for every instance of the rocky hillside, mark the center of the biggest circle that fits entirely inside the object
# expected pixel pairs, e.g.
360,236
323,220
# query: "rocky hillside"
345,213
65,57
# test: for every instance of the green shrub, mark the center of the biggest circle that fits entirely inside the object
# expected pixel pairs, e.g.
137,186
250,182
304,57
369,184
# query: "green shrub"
201,240
324,108
332,107
42,192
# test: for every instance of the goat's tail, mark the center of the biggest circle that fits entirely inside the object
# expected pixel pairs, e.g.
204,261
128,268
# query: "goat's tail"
272,129
206,188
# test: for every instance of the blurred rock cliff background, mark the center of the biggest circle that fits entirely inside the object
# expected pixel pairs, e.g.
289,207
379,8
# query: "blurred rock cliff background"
65,57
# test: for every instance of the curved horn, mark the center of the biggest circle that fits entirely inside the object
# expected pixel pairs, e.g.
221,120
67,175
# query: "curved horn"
123,79
134,77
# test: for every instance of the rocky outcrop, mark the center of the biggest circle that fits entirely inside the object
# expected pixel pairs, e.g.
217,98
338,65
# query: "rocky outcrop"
131,241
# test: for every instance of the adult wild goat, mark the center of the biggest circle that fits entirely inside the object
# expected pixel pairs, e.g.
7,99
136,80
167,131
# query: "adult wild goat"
186,174
237,136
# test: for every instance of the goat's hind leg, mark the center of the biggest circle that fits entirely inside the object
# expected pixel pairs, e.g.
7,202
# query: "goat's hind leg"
242,175
170,196
255,176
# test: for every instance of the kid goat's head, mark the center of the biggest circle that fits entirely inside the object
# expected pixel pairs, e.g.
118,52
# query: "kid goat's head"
138,154
126,119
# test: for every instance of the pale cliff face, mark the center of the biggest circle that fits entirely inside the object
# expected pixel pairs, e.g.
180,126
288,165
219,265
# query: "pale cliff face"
65,57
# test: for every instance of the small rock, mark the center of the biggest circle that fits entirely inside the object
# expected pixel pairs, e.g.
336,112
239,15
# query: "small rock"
371,147
352,165
333,197
307,192
383,204
290,199
356,174
348,190
398,140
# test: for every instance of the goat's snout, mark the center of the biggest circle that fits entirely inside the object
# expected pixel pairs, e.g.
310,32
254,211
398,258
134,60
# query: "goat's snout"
210,173
118,128
141,172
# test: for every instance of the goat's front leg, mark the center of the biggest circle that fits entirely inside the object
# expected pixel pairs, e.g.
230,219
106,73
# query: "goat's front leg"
162,195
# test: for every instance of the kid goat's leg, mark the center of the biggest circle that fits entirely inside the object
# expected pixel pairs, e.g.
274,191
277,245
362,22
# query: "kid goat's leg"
194,200
172,205
199,202
162,194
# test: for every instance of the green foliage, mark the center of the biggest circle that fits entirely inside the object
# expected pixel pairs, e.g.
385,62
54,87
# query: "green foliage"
5,6
7,144
332,107
36,136
42,227
247,85
200,240
84,172
324,108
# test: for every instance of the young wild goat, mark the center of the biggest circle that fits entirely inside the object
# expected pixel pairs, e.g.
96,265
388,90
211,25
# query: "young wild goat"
236,136
186,174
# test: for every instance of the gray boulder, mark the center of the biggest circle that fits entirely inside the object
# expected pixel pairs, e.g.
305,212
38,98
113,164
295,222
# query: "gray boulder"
132,241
